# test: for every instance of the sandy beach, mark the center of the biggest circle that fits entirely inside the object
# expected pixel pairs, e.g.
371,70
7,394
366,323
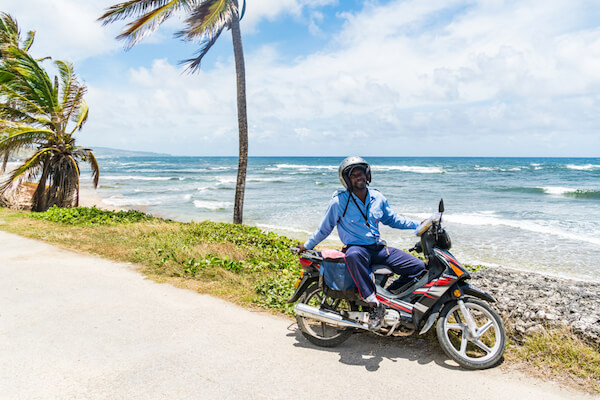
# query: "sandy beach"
88,197
76,326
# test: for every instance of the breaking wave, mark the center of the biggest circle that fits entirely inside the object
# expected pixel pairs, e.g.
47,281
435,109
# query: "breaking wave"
212,205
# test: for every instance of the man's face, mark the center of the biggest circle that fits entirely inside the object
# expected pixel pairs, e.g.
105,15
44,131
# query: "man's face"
358,178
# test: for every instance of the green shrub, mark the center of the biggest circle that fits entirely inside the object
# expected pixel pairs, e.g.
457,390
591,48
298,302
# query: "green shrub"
266,250
274,292
474,268
86,216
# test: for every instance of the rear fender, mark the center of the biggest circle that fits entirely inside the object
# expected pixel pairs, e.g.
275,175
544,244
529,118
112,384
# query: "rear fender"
307,280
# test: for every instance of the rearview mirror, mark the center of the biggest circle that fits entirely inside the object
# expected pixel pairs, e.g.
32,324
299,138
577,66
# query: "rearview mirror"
441,206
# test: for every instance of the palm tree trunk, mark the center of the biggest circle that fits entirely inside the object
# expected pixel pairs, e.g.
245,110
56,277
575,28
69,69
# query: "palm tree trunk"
39,200
77,194
240,187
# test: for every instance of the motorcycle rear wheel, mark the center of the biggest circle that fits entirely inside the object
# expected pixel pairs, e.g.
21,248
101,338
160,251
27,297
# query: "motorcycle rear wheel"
480,351
317,332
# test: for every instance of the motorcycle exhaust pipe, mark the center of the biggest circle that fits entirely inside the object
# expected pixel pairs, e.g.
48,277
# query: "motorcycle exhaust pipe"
304,310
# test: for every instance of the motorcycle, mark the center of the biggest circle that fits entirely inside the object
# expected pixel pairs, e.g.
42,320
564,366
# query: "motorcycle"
468,329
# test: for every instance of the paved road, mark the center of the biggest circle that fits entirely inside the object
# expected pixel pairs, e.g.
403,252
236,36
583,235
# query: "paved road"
74,326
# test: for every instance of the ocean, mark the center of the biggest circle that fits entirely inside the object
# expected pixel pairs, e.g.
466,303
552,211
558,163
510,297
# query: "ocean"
533,214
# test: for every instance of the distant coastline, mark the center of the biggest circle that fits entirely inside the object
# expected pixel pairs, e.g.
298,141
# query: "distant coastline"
110,152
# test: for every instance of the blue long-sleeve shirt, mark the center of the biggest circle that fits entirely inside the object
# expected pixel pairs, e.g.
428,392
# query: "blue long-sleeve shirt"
352,228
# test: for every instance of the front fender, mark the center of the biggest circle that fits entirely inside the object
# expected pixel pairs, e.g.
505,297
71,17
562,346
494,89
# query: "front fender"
307,280
476,292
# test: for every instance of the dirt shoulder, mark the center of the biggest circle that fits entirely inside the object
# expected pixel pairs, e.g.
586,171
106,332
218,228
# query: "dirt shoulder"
77,326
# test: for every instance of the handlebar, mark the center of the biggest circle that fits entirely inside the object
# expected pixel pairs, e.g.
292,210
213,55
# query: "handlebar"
311,254
433,219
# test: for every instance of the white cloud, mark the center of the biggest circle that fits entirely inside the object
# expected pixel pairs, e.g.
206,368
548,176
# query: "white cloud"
403,78
257,11
65,29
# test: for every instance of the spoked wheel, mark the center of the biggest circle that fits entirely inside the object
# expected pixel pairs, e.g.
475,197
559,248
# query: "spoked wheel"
317,332
471,333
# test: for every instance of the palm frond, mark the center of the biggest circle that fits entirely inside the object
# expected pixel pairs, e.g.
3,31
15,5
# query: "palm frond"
23,74
193,64
67,76
207,22
9,31
28,41
130,8
11,116
81,116
10,35
149,22
243,12
72,92
74,163
13,95
9,112
26,170
208,19
26,137
87,155
95,168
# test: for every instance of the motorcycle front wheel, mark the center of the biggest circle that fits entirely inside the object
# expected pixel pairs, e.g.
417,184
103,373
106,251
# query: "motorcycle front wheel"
472,334
317,332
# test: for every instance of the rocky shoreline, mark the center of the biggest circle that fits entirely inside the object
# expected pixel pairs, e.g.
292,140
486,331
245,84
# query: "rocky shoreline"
534,302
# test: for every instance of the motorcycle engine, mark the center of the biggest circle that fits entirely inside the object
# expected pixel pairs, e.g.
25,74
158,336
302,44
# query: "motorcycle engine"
391,317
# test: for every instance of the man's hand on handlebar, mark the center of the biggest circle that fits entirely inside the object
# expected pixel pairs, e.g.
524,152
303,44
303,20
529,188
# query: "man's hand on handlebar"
301,248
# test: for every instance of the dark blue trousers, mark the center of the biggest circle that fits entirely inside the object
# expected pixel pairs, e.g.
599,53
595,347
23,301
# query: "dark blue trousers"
360,258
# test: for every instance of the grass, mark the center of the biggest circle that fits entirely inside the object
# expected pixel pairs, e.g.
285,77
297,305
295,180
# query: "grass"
239,263
559,354
252,268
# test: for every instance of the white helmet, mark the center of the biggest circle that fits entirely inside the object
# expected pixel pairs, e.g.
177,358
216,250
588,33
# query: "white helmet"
348,165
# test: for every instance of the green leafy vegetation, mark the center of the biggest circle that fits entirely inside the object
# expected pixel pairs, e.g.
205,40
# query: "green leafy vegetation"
86,216
474,268
274,291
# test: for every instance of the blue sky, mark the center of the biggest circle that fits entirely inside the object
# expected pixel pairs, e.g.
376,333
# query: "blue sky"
338,77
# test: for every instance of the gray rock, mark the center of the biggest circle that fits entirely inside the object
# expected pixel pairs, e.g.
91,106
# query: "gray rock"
534,301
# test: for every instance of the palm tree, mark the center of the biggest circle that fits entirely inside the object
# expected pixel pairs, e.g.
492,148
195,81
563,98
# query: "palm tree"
205,21
43,116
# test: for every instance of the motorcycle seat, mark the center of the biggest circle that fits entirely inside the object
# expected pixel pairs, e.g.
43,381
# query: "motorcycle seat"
381,269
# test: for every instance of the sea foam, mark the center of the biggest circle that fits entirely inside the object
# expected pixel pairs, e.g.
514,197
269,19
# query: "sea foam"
121,201
586,167
301,167
282,228
572,192
409,168
212,205
140,178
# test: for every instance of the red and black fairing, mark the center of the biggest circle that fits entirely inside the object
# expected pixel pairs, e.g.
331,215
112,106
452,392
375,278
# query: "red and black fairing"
427,297
404,308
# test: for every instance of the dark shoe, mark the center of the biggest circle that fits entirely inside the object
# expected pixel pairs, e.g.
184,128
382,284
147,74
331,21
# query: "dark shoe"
376,314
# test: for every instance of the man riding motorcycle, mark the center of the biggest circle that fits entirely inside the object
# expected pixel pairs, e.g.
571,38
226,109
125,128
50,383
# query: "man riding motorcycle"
357,212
